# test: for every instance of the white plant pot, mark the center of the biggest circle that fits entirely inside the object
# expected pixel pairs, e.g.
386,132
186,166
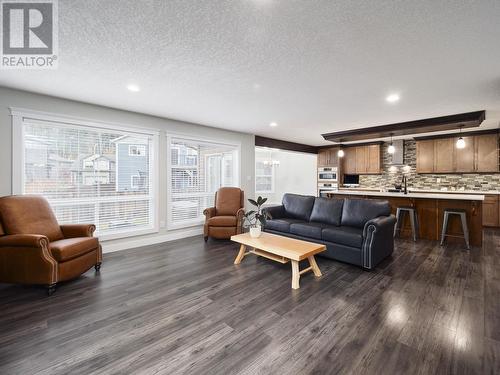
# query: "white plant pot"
255,232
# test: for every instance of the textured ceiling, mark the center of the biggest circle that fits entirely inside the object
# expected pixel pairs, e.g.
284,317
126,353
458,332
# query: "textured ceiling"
311,66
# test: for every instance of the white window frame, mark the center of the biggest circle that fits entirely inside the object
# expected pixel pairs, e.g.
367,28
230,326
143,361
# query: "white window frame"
273,178
19,115
222,142
141,147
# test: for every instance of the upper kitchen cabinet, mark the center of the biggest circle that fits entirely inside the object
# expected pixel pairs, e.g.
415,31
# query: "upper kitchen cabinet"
362,159
327,157
440,155
486,153
444,150
425,156
349,160
464,157
373,159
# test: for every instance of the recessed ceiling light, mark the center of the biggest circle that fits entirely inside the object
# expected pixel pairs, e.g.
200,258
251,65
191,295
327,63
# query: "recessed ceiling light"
392,98
273,124
133,88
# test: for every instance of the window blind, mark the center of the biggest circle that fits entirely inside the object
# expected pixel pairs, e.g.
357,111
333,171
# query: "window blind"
90,175
197,170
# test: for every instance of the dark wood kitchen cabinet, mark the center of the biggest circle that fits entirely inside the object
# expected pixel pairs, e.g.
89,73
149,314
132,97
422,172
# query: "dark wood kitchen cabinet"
323,157
328,157
440,155
444,150
486,153
491,215
464,157
365,159
360,160
425,156
373,159
349,160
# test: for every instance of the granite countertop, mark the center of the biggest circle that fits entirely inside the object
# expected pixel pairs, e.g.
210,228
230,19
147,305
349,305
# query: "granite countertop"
492,192
414,194
481,192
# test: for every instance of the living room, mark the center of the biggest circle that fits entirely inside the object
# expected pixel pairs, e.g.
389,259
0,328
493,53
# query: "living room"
249,187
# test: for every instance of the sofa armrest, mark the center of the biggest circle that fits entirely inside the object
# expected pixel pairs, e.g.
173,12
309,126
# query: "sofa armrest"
24,240
78,230
209,212
27,260
378,240
274,212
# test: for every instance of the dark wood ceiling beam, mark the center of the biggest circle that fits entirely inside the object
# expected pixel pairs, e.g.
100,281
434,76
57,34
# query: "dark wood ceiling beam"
429,125
284,145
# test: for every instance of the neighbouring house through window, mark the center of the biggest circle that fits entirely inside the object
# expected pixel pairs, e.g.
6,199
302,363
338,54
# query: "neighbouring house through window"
90,174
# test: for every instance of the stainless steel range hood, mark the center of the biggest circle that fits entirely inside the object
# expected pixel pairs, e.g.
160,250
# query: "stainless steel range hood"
398,157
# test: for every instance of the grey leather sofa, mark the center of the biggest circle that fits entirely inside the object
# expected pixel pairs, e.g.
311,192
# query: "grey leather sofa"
355,231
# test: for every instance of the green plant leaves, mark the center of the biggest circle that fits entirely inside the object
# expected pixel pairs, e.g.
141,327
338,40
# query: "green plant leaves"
259,202
253,202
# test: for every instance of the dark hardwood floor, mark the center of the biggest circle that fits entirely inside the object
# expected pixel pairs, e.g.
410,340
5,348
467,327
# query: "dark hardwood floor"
184,308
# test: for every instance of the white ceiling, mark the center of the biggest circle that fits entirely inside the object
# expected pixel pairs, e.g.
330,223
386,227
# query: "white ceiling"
311,66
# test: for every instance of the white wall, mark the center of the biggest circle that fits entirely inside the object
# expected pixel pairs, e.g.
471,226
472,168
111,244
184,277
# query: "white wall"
296,173
23,99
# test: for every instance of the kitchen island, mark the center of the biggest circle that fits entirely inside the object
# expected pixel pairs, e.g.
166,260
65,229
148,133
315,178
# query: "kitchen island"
430,208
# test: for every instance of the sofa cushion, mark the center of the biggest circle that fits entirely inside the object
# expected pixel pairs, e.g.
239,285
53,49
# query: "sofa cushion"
298,206
356,212
311,230
71,248
281,225
222,221
328,211
348,236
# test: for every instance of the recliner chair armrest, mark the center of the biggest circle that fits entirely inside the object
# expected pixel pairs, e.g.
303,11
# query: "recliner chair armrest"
240,213
77,230
274,212
28,259
24,240
209,212
378,240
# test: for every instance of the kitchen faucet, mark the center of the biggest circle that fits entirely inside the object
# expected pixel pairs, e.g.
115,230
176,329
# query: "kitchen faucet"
404,182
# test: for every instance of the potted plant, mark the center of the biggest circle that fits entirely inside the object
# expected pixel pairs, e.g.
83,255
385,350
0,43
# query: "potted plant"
255,218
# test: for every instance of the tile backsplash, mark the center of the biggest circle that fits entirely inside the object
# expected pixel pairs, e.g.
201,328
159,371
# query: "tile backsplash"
392,175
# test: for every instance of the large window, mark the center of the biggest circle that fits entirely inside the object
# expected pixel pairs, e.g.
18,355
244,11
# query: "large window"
264,170
90,173
196,169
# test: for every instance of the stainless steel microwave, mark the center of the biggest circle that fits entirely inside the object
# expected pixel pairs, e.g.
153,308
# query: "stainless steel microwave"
327,174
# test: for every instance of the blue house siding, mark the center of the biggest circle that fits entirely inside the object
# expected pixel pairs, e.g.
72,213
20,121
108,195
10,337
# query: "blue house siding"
131,165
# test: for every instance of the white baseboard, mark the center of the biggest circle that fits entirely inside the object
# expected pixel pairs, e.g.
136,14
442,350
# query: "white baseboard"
129,243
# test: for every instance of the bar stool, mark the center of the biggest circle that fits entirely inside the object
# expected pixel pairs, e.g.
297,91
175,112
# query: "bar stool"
463,218
412,212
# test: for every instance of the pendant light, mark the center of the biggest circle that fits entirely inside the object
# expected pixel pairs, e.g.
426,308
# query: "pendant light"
460,141
391,149
341,152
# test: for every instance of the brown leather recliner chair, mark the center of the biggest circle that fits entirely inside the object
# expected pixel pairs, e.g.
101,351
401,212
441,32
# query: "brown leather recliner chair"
35,249
226,218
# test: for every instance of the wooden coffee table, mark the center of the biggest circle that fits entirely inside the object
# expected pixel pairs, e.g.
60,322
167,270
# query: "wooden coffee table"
281,249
